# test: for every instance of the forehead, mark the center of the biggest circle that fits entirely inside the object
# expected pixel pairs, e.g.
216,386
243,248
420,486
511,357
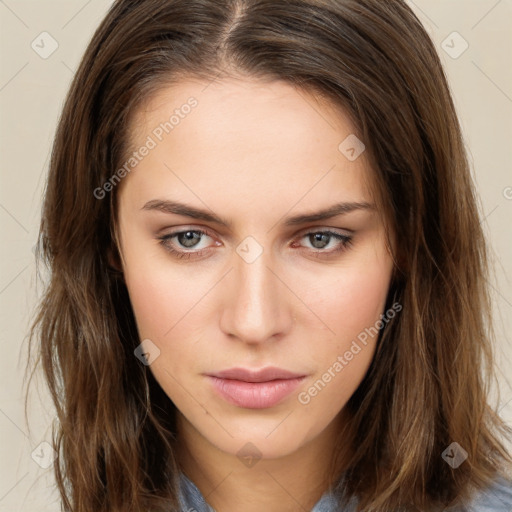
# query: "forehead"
246,106
247,137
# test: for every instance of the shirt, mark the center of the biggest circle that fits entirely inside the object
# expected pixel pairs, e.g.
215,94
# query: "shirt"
496,498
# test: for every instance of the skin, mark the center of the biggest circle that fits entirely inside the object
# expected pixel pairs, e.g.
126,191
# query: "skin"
253,153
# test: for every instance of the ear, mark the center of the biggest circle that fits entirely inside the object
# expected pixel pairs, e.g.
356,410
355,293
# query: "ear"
114,258
114,261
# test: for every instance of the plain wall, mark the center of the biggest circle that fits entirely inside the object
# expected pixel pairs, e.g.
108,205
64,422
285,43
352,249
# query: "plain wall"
32,90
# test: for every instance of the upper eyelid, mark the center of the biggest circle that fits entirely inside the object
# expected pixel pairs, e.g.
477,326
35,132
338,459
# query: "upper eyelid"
207,230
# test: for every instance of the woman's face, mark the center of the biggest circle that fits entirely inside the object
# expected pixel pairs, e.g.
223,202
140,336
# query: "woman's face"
234,265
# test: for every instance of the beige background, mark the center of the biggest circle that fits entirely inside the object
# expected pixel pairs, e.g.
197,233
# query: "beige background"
32,90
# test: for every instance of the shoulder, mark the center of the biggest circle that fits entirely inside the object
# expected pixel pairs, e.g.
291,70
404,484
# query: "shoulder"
496,498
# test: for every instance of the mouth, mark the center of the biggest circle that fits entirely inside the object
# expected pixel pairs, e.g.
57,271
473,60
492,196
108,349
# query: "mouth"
255,389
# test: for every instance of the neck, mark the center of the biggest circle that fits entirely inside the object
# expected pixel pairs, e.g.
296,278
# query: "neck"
291,483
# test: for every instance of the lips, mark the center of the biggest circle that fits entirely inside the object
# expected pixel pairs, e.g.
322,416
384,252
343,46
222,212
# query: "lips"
255,389
263,375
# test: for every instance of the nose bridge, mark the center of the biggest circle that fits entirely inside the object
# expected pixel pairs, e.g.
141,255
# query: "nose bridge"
256,309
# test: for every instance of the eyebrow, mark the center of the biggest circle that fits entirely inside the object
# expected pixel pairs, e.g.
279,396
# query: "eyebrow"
177,208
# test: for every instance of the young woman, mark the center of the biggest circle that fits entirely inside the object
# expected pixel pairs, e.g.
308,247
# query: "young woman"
267,272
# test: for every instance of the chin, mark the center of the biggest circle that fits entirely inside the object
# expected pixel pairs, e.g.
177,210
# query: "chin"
266,439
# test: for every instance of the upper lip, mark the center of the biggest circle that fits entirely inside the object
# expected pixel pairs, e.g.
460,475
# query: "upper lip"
262,375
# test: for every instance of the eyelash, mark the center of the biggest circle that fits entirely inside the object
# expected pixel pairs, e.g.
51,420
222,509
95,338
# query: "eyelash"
345,243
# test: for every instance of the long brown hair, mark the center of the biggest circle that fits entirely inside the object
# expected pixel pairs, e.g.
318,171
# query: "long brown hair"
428,384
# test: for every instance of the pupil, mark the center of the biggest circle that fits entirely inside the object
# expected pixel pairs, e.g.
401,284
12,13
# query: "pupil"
318,238
189,237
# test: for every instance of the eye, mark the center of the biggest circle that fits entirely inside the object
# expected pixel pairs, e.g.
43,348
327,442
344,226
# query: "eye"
320,240
188,239
186,244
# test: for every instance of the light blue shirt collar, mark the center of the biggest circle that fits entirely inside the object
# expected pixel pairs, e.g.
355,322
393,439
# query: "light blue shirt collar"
497,498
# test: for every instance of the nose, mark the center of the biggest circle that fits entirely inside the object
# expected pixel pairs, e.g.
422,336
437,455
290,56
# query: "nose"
257,305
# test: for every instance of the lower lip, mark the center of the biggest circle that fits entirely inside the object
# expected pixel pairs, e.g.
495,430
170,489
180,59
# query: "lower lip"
255,395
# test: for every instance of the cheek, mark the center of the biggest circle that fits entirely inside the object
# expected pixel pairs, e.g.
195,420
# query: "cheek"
349,299
353,311
171,308
160,294
362,299
165,304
